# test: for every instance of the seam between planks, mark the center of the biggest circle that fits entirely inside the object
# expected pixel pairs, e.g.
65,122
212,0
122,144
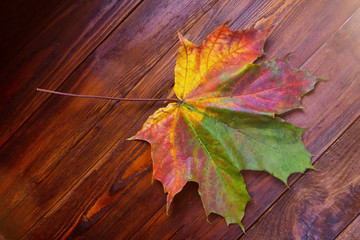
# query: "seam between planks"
79,140
244,12
66,78
325,150
286,15
82,176
357,216
75,69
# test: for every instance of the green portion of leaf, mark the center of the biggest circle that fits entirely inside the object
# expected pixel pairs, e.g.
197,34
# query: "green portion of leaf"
253,142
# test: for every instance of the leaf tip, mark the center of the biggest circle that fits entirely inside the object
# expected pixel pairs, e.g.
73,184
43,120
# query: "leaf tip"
131,138
168,203
207,219
286,57
182,39
264,24
152,179
238,223
311,167
227,22
319,79
242,228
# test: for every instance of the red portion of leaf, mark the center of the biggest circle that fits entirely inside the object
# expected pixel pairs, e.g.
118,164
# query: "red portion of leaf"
268,88
168,166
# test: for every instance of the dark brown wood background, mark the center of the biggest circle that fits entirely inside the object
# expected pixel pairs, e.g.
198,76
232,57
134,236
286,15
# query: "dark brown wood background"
66,171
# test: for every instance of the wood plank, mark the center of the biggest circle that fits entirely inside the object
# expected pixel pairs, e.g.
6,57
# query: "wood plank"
352,231
78,216
104,199
106,71
323,202
123,210
61,42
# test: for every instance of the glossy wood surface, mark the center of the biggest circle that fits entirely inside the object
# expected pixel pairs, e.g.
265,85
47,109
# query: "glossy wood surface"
66,169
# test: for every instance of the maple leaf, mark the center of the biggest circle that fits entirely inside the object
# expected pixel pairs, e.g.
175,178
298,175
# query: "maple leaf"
225,120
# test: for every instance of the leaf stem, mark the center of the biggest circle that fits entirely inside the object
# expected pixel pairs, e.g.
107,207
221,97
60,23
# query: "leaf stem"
107,98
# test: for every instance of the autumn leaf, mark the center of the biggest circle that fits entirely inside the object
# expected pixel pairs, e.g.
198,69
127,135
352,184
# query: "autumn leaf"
225,120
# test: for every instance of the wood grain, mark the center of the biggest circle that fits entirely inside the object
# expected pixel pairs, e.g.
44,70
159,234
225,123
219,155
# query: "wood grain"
68,172
104,73
62,40
352,231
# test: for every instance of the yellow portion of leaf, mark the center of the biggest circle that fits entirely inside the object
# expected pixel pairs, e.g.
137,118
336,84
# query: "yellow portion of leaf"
224,52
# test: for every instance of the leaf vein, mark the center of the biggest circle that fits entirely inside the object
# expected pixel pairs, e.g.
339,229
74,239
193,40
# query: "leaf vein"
210,156
238,130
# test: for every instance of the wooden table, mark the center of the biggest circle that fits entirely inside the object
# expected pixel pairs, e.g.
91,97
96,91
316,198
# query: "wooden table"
66,170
